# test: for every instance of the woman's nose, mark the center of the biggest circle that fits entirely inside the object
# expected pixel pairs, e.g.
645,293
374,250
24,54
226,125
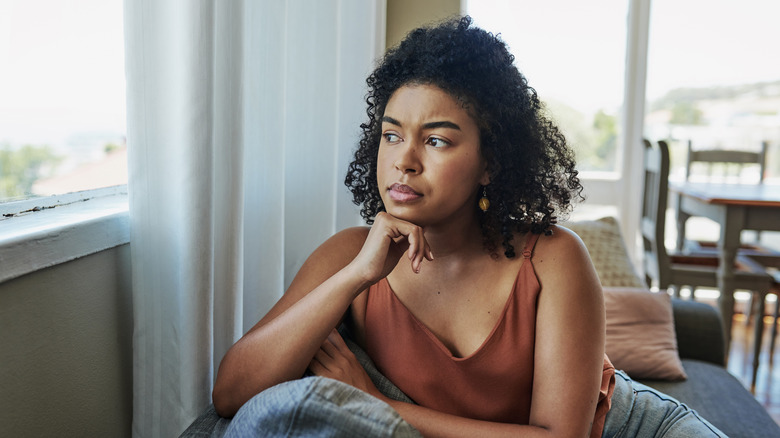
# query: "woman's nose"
408,160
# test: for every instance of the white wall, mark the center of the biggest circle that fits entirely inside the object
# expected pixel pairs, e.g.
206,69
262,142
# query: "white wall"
404,16
66,349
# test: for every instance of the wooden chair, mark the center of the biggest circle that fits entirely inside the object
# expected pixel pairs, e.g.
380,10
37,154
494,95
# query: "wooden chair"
725,161
667,269
728,160
729,165
771,261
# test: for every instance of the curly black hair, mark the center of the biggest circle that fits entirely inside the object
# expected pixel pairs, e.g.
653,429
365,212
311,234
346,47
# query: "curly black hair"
531,167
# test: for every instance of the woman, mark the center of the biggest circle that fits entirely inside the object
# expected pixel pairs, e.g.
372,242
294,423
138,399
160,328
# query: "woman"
463,292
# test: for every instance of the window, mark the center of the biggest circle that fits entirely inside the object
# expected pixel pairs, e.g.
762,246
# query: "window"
62,97
573,53
713,78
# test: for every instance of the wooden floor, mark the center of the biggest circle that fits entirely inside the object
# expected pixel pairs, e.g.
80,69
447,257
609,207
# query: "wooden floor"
767,389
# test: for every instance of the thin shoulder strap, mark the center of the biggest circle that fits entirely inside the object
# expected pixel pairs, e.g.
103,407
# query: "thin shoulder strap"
530,244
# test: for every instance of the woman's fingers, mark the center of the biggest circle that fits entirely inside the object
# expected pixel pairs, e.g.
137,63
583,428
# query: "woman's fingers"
423,249
333,357
419,250
327,352
404,232
333,348
388,241
418,246
336,361
337,341
323,363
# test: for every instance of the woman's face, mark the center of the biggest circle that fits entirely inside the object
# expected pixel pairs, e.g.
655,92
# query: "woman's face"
429,167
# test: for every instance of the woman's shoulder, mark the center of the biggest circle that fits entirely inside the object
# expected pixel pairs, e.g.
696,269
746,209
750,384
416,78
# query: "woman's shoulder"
560,241
560,250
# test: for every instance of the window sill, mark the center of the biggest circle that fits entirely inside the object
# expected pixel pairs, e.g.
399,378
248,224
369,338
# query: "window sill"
39,233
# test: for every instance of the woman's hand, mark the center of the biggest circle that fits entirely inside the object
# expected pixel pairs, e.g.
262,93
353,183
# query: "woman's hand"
336,361
386,243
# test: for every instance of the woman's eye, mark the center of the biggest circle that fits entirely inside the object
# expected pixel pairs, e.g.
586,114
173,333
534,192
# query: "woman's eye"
437,142
391,138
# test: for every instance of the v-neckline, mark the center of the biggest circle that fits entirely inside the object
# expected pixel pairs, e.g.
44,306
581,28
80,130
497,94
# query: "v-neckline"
435,339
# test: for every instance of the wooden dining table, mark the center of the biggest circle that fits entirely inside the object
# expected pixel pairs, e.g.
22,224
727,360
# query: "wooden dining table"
735,207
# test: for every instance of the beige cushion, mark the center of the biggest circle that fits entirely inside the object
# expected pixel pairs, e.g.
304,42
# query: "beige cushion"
607,251
640,334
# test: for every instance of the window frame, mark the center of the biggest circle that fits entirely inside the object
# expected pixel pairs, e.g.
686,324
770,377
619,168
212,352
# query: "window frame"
38,233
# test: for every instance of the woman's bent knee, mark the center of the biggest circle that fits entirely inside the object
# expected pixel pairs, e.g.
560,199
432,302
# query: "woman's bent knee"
319,407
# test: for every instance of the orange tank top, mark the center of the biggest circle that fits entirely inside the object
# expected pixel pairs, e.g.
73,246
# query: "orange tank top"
494,383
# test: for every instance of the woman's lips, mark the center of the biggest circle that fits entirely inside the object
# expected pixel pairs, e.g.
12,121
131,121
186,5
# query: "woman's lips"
403,193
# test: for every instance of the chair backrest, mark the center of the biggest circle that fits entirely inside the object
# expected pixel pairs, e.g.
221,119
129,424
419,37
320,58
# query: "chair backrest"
726,160
653,220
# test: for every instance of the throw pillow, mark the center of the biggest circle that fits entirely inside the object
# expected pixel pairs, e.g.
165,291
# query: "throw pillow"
640,334
608,252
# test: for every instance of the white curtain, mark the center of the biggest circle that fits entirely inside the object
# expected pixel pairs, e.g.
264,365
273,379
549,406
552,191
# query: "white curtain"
242,116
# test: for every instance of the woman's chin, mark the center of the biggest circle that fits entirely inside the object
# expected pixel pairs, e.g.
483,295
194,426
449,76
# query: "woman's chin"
406,214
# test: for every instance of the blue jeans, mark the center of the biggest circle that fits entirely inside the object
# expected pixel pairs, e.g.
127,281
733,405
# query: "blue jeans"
318,407
321,407
640,411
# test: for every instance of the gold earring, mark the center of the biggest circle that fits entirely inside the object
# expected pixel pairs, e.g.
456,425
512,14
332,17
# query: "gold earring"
484,202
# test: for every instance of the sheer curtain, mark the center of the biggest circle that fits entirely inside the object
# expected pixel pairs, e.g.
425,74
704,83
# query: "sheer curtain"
242,116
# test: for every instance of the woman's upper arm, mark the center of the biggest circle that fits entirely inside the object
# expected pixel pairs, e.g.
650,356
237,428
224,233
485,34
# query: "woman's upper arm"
281,345
330,257
570,336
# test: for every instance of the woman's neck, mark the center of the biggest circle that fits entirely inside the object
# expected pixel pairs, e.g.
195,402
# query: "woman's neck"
459,239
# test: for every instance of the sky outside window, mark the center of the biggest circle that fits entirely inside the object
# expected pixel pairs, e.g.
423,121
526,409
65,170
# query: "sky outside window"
62,84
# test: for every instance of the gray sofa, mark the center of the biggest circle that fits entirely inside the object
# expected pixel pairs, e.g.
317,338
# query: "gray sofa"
710,389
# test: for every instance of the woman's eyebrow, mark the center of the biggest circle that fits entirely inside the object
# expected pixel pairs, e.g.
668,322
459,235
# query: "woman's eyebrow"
391,120
442,124
429,125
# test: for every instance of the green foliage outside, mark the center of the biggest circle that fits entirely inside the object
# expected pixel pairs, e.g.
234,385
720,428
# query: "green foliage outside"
20,168
594,140
686,113
605,130
111,147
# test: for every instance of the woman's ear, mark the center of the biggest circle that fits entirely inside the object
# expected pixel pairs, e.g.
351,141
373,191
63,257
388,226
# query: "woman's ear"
486,170
485,179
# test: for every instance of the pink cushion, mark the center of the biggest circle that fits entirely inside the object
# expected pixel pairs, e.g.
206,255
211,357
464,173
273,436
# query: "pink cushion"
640,334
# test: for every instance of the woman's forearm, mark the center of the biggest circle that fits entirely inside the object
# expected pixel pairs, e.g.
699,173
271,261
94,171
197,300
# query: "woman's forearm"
280,349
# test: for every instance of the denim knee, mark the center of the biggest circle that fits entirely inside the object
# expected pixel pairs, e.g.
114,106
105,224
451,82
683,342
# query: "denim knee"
318,407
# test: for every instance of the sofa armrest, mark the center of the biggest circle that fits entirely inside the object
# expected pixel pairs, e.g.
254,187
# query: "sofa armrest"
699,331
